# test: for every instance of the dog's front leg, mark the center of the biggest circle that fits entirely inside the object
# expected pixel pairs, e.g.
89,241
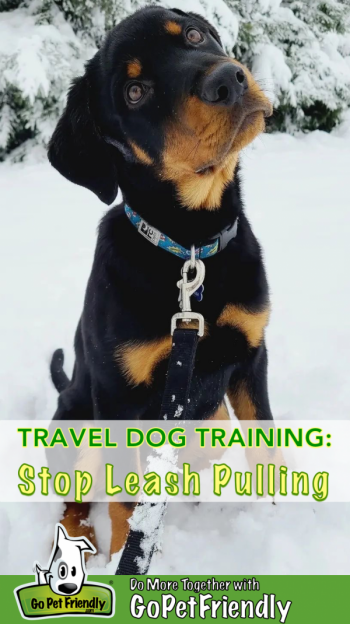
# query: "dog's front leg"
247,392
119,514
248,396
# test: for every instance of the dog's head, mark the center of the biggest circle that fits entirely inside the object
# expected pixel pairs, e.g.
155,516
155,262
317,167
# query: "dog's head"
161,94
66,572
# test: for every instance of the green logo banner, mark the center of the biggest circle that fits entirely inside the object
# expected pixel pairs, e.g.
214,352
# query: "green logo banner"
290,599
39,601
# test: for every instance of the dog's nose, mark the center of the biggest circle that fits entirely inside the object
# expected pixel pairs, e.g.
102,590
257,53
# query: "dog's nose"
67,588
225,85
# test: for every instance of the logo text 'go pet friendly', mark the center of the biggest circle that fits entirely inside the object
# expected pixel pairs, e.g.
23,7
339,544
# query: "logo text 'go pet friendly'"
61,590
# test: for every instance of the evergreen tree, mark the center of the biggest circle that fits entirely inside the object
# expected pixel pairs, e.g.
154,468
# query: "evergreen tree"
92,19
39,56
321,67
299,50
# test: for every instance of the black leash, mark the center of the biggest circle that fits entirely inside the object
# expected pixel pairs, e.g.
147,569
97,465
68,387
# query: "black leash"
135,559
174,405
179,375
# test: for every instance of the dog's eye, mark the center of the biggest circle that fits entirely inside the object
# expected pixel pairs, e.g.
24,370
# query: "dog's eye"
74,571
135,92
62,570
194,36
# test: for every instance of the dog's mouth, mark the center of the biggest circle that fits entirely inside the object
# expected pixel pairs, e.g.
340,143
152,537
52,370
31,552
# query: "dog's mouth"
218,162
249,118
252,114
205,170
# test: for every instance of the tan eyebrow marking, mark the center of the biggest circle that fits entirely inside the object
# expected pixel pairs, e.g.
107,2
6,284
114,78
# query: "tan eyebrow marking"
173,28
134,68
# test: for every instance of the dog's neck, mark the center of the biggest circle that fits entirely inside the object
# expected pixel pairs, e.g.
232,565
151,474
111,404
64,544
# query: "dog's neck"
157,203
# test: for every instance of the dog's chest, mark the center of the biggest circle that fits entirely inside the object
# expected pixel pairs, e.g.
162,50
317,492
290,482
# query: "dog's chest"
235,332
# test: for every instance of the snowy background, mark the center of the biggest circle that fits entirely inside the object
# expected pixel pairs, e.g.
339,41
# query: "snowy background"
297,198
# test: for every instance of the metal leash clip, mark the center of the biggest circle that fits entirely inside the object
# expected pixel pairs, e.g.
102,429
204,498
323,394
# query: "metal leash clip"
187,289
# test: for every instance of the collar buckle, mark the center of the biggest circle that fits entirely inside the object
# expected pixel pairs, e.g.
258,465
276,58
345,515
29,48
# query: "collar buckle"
226,235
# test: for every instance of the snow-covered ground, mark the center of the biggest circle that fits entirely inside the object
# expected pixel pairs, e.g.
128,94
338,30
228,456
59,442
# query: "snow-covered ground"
298,200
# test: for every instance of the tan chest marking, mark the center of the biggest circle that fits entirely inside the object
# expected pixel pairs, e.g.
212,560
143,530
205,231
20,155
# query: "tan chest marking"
138,360
251,324
206,192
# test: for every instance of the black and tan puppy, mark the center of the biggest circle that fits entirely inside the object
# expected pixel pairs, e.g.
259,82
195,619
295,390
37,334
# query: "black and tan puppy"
162,112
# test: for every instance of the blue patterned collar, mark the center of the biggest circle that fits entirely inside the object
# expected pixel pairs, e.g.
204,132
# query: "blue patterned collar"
165,242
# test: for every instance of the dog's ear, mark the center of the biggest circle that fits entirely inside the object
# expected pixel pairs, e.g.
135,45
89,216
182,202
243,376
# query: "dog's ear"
61,536
41,574
85,544
78,151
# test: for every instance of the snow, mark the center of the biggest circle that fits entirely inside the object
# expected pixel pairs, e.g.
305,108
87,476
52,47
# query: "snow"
300,54
24,41
148,517
270,68
39,56
179,409
297,199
